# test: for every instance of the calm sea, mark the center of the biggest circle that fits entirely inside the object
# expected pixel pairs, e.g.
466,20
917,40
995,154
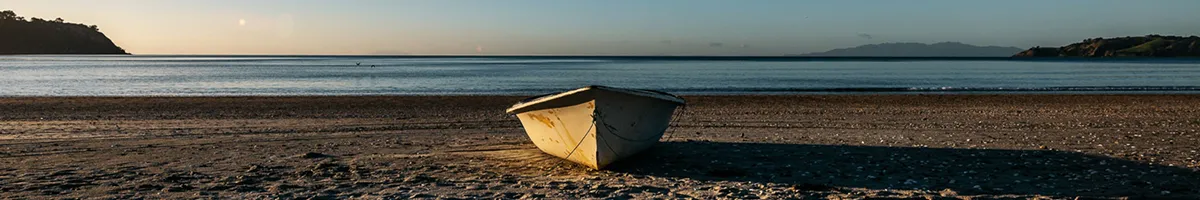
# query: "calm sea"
362,75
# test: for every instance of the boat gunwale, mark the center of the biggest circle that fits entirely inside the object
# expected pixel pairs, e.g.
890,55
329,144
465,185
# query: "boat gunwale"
637,92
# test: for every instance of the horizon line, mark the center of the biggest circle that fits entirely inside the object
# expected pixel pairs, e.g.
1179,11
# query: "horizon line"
655,57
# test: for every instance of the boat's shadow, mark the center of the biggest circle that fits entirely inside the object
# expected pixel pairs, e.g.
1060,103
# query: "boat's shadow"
965,171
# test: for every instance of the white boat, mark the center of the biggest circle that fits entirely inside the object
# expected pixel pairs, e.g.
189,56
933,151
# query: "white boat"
596,125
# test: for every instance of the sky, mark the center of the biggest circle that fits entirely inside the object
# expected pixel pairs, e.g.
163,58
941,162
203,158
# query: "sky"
600,27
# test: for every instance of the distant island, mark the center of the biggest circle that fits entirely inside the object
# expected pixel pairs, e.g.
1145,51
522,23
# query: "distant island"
1143,46
39,36
942,49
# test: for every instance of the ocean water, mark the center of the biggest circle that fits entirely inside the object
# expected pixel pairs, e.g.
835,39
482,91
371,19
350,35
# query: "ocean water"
397,75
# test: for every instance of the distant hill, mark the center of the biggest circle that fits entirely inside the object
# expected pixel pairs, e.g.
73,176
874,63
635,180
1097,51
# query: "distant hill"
943,49
38,36
1143,46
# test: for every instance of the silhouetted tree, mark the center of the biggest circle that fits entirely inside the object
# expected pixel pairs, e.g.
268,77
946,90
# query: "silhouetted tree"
38,36
10,15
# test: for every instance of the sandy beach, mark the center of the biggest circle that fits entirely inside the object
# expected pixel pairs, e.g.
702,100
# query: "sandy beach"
774,147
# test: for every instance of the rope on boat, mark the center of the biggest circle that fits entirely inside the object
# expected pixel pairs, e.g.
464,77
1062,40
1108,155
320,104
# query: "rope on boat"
597,118
581,139
674,118
614,133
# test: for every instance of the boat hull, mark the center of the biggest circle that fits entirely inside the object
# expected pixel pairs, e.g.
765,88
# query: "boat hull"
597,127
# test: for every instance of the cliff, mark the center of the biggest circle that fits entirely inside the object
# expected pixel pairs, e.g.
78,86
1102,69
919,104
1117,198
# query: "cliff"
1144,46
943,49
38,36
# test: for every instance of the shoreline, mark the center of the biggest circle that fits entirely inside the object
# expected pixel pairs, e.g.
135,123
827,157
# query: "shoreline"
884,91
1128,90
724,146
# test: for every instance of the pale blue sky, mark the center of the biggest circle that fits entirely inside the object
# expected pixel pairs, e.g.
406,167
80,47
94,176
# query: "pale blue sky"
611,27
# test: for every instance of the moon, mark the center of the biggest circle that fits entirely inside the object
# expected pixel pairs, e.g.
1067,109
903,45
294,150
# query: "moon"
241,22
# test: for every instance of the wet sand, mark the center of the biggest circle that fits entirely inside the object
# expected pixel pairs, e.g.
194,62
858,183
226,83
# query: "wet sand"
837,146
